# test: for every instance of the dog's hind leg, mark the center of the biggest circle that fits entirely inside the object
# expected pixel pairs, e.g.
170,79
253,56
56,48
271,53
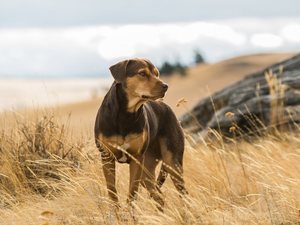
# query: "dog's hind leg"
149,182
172,164
163,174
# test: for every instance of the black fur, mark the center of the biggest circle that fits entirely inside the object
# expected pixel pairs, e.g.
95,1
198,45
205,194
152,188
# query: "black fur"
114,119
164,141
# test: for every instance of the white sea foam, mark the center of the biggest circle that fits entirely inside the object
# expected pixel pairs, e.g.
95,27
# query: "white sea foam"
20,93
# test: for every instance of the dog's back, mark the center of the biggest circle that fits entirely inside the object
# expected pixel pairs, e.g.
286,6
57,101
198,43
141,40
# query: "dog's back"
164,124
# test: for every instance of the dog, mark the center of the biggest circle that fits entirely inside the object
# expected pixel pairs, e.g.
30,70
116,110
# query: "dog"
132,126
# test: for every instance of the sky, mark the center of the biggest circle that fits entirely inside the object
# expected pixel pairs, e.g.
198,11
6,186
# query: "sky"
82,38
60,13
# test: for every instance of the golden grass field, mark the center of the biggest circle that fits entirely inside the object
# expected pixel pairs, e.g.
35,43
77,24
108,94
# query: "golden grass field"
50,174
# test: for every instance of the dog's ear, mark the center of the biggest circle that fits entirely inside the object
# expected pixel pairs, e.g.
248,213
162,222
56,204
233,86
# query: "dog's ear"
148,61
118,70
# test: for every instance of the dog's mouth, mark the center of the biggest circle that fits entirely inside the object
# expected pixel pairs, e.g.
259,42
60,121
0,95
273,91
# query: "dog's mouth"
152,97
146,97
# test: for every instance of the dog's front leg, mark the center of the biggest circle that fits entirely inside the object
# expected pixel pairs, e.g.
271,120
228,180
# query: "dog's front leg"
135,177
109,170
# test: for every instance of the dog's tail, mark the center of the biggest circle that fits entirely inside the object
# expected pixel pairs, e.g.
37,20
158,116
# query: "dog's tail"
163,174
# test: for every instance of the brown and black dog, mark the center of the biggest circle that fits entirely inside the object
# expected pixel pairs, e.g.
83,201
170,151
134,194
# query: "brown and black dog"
132,127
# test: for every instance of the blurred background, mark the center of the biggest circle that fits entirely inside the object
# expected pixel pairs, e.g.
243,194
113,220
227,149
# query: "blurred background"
59,51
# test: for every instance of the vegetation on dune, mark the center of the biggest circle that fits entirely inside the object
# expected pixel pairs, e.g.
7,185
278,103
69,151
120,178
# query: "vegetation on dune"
48,176
198,58
35,158
167,68
266,99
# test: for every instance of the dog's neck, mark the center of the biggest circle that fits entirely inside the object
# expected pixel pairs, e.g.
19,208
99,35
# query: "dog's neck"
134,103
115,119
129,103
134,120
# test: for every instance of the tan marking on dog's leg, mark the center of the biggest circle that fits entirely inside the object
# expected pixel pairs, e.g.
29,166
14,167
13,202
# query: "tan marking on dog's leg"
135,170
173,167
149,180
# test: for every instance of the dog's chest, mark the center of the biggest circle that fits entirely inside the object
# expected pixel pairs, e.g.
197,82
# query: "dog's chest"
131,143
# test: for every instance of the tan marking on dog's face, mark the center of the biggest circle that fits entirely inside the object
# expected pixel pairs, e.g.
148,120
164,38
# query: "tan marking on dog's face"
143,84
147,85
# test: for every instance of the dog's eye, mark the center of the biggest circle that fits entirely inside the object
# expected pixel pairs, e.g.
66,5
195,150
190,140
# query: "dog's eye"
143,74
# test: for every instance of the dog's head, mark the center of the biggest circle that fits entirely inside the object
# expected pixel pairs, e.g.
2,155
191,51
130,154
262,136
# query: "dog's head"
139,78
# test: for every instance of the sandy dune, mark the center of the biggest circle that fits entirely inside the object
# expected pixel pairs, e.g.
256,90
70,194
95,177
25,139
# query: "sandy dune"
201,80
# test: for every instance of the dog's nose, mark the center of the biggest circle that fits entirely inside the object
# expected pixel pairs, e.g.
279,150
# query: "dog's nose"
165,86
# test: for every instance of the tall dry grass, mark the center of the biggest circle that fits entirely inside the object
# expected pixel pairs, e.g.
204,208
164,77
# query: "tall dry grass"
49,176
